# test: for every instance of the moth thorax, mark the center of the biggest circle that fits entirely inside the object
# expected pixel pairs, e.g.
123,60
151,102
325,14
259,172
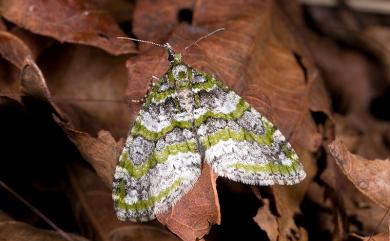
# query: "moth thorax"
186,99
181,75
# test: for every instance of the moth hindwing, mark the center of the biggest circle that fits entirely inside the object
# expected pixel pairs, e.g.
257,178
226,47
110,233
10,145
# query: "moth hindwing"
189,116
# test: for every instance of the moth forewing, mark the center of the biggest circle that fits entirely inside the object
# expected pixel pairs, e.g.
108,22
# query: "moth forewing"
189,116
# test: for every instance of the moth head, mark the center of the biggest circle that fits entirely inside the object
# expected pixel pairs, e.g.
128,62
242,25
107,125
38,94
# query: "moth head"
172,56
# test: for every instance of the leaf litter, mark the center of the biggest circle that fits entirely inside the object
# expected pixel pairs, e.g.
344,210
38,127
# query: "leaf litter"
288,63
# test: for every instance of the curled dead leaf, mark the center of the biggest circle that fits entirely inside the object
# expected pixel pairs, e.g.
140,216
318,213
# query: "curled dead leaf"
13,49
192,216
258,63
19,231
2,25
267,221
93,206
371,177
101,152
377,237
165,18
377,39
74,21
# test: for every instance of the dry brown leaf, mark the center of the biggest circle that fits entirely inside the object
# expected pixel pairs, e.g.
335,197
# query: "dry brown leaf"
162,21
101,152
33,82
37,44
346,199
371,177
349,202
9,84
18,47
93,207
267,221
13,49
257,62
2,26
353,81
74,21
11,230
288,200
88,86
77,107
192,216
377,237
377,38
121,10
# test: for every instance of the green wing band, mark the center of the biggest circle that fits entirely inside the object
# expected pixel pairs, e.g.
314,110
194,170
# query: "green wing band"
157,157
270,167
140,130
242,135
147,203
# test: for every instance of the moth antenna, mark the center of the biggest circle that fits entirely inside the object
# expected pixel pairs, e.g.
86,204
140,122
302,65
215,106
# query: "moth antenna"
144,41
167,46
203,37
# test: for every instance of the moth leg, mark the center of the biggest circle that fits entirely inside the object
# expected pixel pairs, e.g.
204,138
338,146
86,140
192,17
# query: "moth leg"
150,86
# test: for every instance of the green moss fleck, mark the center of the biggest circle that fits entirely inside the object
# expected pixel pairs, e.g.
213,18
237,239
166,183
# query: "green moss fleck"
182,74
288,152
197,100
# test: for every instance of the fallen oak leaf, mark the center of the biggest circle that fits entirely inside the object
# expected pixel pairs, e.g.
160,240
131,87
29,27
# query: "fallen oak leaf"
163,21
101,152
73,21
371,177
13,49
377,39
377,237
192,216
17,47
251,60
9,81
18,231
121,10
289,198
267,220
92,203
33,83
2,25
88,86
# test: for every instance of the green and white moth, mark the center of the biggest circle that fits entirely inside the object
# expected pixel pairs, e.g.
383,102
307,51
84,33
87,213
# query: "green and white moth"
189,116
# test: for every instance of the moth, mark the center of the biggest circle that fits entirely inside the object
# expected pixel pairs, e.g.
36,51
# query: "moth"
189,117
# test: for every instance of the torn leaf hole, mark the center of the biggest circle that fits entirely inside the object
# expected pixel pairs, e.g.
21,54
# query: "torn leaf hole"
318,117
184,15
103,35
298,57
379,106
